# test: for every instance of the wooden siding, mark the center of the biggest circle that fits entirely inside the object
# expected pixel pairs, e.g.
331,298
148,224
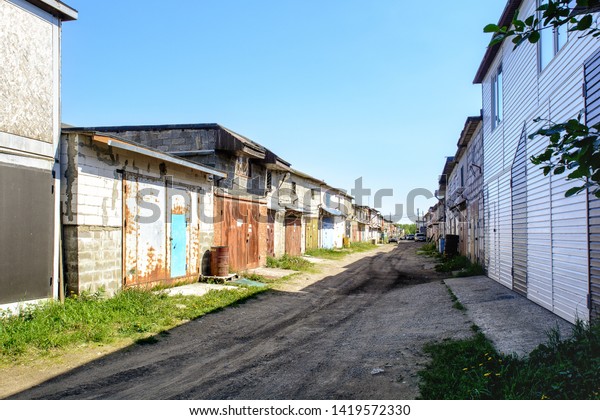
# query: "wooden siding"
592,106
556,242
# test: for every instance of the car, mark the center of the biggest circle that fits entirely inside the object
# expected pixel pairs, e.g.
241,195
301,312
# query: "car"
420,237
410,237
393,239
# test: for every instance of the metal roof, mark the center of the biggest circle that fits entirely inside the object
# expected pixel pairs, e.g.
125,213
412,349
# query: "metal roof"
333,212
123,144
490,54
56,8
262,151
466,135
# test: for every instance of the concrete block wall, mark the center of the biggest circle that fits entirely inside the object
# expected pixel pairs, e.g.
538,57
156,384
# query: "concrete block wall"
93,259
92,208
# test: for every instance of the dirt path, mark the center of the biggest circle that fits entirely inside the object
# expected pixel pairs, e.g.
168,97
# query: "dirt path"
355,334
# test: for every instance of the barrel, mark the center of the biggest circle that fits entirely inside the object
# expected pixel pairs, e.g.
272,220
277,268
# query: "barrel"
451,247
219,261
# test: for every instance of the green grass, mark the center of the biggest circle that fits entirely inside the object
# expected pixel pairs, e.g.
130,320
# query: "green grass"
288,262
338,254
456,303
430,249
134,314
459,264
562,368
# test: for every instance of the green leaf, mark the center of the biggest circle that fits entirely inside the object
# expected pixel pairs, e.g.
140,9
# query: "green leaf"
559,170
534,37
529,20
585,23
491,28
573,191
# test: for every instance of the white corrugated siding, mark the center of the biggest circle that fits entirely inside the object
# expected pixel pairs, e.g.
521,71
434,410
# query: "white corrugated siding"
557,247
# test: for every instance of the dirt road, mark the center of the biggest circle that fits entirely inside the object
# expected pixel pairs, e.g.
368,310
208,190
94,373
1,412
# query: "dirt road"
356,334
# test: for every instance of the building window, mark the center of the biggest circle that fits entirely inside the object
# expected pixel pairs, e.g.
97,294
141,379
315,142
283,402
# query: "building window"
551,40
497,99
462,176
269,180
294,187
327,199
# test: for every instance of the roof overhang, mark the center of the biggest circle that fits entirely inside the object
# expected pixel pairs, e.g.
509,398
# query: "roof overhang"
333,212
123,144
56,8
490,54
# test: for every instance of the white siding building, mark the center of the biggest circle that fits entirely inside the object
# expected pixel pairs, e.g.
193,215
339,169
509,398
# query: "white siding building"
30,38
536,239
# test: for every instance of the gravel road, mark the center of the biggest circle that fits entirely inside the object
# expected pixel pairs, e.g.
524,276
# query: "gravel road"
358,333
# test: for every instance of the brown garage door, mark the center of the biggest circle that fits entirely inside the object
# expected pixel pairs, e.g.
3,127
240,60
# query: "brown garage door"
238,229
293,235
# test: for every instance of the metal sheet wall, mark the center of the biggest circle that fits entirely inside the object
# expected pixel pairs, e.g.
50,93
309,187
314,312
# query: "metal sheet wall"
519,217
592,105
239,220
27,234
327,233
161,230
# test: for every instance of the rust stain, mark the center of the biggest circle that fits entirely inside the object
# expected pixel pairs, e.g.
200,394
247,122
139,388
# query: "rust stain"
179,209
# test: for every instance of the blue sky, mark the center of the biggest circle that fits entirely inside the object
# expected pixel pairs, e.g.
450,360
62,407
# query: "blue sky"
342,89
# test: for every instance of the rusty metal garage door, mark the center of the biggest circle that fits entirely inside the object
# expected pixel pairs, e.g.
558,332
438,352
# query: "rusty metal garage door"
238,229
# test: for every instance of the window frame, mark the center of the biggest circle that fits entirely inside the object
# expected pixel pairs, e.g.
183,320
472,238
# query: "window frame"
497,97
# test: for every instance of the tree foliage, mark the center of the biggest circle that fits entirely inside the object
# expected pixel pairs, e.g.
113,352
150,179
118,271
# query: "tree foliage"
573,146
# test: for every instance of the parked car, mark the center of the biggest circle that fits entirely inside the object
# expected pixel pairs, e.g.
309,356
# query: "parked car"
420,237
409,237
393,239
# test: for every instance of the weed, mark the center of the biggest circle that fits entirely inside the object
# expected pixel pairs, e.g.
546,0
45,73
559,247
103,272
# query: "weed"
288,262
337,254
89,318
430,249
456,303
562,368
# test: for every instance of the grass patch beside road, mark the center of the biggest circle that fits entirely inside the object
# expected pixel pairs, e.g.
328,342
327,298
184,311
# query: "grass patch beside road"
288,262
459,265
135,314
566,368
338,254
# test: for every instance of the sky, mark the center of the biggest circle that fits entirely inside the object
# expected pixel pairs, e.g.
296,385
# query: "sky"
341,89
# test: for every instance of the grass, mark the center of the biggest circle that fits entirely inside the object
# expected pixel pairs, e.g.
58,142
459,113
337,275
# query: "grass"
562,368
88,319
337,254
288,262
456,303
459,264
